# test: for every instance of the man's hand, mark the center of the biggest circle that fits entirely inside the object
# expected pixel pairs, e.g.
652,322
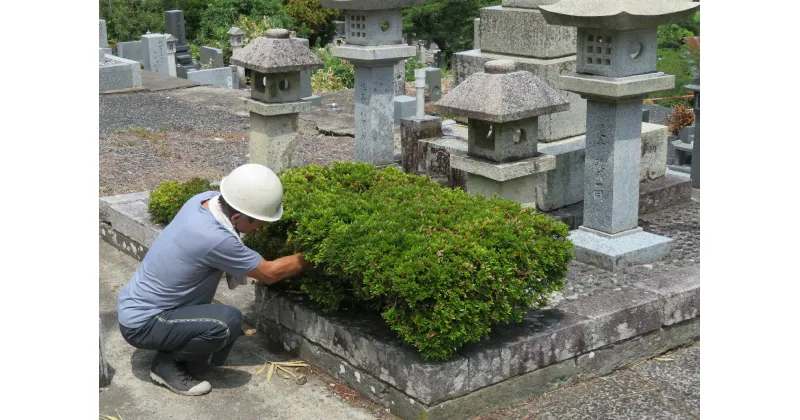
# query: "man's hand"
271,272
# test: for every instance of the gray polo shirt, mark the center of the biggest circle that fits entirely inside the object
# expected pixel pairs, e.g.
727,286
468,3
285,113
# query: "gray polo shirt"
184,265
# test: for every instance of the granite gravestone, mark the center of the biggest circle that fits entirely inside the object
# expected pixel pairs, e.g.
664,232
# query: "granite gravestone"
154,48
211,57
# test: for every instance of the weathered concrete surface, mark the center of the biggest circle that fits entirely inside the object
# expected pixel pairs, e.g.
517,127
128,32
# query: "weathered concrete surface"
237,392
153,81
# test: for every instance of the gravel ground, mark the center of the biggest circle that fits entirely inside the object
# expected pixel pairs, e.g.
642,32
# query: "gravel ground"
681,223
155,110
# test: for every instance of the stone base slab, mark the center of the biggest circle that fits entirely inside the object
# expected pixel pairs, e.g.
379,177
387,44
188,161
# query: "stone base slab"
601,87
502,171
367,56
279,108
123,74
618,252
573,341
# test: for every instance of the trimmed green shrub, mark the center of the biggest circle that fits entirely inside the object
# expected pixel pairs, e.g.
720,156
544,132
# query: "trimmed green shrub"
167,200
440,266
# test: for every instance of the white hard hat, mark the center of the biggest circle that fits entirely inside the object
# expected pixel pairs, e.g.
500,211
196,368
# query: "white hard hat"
254,190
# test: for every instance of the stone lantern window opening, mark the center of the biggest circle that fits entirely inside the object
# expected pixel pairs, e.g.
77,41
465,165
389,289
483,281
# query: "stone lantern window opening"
616,53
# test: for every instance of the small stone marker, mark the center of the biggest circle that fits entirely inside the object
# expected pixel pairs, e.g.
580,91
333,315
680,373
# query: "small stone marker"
476,37
103,34
211,57
404,107
433,79
154,47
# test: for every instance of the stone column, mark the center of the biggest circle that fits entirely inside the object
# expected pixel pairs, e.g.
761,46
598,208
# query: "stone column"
154,53
419,83
374,109
400,78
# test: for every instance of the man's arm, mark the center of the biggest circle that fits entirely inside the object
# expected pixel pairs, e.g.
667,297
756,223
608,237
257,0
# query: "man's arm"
270,272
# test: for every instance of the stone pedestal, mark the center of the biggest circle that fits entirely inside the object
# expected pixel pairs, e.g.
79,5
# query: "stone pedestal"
273,127
515,180
404,107
412,130
240,75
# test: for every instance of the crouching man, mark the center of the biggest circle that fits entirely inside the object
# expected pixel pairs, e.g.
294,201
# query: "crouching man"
167,304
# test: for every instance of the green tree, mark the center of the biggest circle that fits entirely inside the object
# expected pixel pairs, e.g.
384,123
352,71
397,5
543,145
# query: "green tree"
221,15
127,20
311,20
448,23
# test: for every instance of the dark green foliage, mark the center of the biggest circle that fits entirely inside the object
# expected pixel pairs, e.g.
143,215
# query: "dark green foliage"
169,197
220,15
311,20
674,58
413,64
449,23
442,267
127,20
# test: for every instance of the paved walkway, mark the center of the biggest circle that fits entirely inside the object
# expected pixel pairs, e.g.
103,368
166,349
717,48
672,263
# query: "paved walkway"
667,387
237,393
156,81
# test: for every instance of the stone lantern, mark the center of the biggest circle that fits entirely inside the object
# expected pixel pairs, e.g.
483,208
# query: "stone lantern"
374,44
503,106
172,44
616,69
236,36
275,63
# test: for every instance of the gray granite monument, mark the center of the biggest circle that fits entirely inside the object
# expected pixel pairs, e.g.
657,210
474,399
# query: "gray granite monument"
374,44
183,56
503,107
616,69
695,87
154,53
103,34
211,58
275,63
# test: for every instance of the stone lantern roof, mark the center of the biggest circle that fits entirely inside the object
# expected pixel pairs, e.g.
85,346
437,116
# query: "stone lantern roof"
171,38
618,14
235,31
276,53
501,94
370,4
